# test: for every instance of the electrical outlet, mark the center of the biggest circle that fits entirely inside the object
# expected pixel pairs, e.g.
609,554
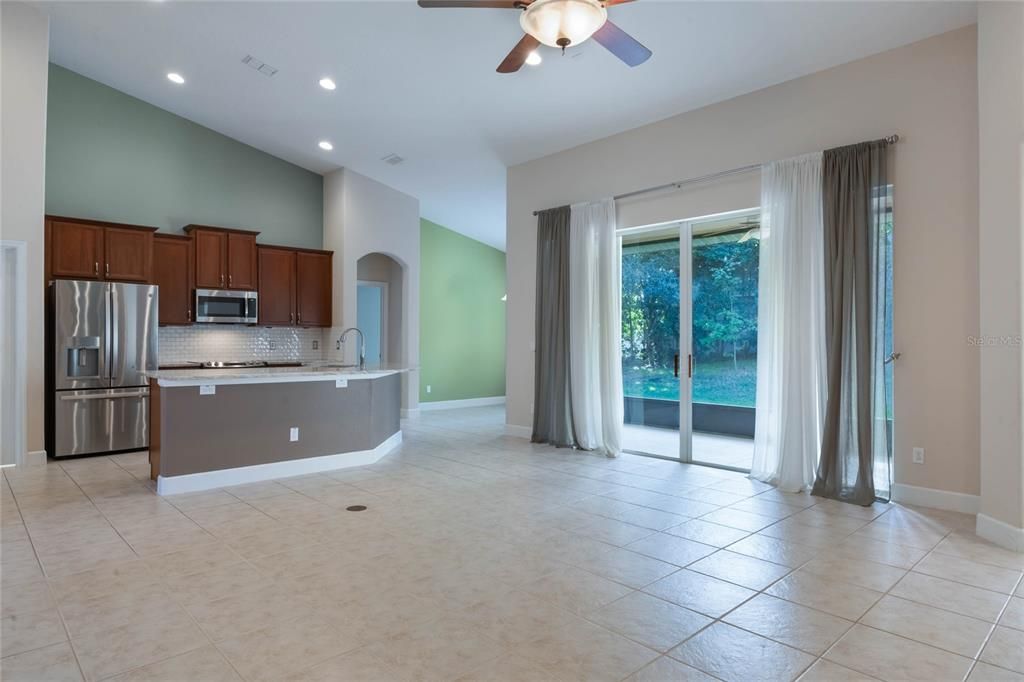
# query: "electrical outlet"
918,455
207,390
316,345
293,434
428,388
341,383
272,345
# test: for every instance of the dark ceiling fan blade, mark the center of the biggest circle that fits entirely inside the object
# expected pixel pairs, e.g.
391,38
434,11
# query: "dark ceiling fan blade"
514,61
487,4
609,3
621,44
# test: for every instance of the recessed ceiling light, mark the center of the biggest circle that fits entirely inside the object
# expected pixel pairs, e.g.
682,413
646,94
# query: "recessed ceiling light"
327,84
533,59
175,78
325,145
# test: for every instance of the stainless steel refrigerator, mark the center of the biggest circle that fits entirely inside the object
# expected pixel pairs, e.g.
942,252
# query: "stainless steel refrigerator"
103,336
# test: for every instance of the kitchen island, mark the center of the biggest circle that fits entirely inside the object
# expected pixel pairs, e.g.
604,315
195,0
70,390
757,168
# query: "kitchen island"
212,428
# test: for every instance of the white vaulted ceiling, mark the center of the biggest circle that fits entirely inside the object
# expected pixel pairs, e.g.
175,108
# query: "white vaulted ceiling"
422,83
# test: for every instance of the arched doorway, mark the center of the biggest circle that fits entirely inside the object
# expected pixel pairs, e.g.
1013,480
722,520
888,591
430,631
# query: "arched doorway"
379,308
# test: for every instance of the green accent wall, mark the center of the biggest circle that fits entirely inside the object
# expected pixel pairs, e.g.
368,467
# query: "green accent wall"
462,316
110,156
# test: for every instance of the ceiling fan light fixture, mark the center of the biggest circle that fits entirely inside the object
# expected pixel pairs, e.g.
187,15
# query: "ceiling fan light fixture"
559,23
534,58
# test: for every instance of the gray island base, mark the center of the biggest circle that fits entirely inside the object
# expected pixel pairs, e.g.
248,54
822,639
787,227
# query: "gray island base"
216,429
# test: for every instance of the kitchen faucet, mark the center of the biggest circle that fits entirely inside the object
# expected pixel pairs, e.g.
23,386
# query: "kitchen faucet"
362,345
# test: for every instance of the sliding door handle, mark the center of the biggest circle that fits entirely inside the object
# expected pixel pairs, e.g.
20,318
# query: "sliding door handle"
675,365
689,366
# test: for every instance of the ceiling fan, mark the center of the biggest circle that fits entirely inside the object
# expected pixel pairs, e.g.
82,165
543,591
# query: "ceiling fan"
559,23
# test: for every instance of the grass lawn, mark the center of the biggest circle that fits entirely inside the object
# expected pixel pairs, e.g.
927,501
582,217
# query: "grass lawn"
715,382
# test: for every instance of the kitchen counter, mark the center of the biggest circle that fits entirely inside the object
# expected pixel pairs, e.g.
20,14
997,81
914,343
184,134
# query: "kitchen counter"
267,375
212,428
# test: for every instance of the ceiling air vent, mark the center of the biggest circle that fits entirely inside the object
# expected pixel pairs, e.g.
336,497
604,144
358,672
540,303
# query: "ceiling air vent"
392,159
256,64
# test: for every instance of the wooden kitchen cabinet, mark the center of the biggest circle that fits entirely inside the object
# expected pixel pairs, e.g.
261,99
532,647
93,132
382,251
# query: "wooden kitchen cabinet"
172,272
128,254
294,287
87,249
313,288
276,286
224,258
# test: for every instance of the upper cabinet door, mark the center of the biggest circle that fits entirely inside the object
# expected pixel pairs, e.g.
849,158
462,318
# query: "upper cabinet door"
128,254
76,250
276,286
172,272
211,256
313,289
242,261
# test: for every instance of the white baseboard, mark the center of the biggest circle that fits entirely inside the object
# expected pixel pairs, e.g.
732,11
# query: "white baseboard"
189,483
34,458
518,431
1001,533
467,402
936,499
410,414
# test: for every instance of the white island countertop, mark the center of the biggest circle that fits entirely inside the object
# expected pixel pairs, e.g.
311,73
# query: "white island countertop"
317,371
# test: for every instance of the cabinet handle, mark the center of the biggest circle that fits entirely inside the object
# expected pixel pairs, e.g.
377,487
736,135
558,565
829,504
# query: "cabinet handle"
229,280
107,266
188,314
300,317
96,268
222,280
291,318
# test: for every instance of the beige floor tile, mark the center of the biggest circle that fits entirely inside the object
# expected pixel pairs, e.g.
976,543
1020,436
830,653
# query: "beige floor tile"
576,590
1013,616
61,562
665,668
946,594
244,612
674,550
54,663
447,648
584,652
102,654
358,666
983,672
1005,649
772,549
650,621
19,600
729,653
116,609
967,545
700,592
627,567
867,574
518,618
509,668
827,671
224,581
960,570
950,631
815,536
284,648
195,559
653,519
740,569
791,624
708,533
202,665
612,532
734,518
831,596
889,657
127,576
31,630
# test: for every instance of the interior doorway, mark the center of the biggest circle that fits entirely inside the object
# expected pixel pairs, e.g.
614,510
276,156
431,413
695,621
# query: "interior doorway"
372,320
689,339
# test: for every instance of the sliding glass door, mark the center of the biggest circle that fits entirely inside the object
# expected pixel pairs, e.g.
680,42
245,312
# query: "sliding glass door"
689,339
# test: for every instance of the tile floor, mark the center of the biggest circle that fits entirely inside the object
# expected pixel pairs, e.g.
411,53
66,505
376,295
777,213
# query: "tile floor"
482,557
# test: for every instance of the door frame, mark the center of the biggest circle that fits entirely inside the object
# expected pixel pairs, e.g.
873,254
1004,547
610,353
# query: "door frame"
15,326
384,306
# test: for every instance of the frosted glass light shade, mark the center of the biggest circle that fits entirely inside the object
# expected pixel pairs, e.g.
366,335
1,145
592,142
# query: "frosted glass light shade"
558,23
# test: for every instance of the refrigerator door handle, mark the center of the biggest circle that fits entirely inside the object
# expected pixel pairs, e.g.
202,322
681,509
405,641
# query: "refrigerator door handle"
115,331
105,396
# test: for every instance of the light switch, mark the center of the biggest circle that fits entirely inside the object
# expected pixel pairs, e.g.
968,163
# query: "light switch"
293,434
341,383
207,389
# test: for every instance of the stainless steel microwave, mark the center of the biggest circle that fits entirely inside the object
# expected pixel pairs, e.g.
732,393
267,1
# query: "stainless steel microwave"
226,307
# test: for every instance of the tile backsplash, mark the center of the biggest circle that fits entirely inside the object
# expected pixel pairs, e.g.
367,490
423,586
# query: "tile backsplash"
238,342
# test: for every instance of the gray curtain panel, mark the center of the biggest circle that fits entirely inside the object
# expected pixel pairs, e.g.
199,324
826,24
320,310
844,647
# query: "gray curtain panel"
552,414
854,187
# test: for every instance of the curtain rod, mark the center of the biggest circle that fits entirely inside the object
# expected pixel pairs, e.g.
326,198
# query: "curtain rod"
679,184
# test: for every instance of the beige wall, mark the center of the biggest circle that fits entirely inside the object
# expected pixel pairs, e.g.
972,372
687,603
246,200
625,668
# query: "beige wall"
1001,137
24,55
927,92
363,216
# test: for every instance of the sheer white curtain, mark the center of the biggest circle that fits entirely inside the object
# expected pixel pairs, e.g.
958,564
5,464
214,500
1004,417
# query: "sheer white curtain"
595,327
791,371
